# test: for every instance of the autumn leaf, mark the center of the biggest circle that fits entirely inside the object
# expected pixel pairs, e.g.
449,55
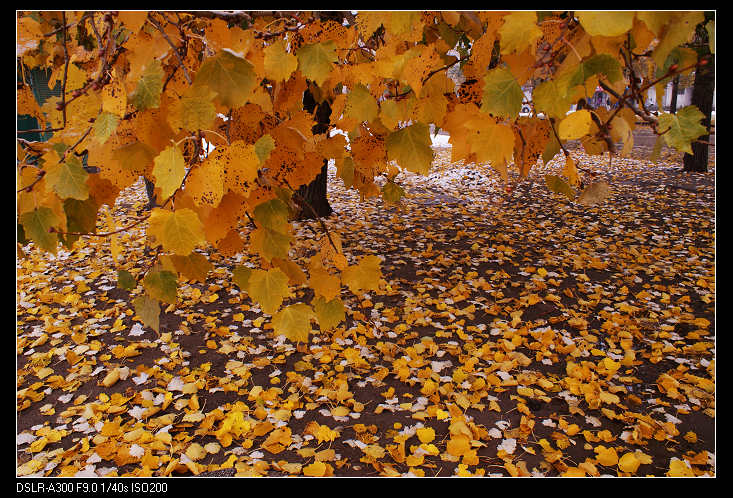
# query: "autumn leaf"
149,87
594,193
558,185
293,322
232,78
502,95
682,127
410,147
178,231
316,60
606,23
328,313
104,126
37,225
268,288
194,111
519,31
68,179
161,285
575,125
169,170
363,276
360,105
278,63
148,310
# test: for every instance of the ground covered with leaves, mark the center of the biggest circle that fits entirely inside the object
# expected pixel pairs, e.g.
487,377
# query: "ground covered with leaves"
514,333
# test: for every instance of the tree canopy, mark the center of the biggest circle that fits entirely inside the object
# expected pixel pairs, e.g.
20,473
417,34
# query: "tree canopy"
208,105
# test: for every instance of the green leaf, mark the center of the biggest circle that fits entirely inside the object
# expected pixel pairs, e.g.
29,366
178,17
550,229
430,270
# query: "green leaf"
36,224
550,97
241,275
392,193
68,179
149,87
231,77
502,94
316,60
169,169
273,215
148,310
656,151
360,105
105,124
551,149
411,148
684,127
598,64
81,216
270,243
268,288
263,146
125,280
294,322
194,111
558,185
329,313
161,285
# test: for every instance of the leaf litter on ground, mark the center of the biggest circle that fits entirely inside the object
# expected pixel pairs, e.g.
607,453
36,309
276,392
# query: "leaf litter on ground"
514,332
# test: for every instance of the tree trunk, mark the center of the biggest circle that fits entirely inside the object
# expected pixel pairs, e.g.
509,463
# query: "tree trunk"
314,196
150,189
675,89
702,97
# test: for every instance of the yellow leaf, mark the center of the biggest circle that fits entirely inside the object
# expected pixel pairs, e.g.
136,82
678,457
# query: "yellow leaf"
678,468
606,456
426,434
169,170
194,111
458,445
294,322
177,231
597,23
519,31
575,125
279,64
268,288
363,276
628,463
195,452
316,469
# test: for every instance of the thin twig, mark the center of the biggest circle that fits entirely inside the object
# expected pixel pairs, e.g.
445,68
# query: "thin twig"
175,49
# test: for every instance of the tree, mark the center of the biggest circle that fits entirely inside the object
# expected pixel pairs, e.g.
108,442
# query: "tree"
143,92
702,95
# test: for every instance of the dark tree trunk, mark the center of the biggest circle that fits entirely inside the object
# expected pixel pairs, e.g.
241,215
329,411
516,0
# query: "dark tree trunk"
150,189
702,97
675,89
315,194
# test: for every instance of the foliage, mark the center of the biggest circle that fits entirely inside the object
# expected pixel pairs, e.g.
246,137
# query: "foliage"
147,93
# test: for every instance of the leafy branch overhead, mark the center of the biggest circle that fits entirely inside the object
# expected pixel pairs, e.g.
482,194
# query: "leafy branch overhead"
208,107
